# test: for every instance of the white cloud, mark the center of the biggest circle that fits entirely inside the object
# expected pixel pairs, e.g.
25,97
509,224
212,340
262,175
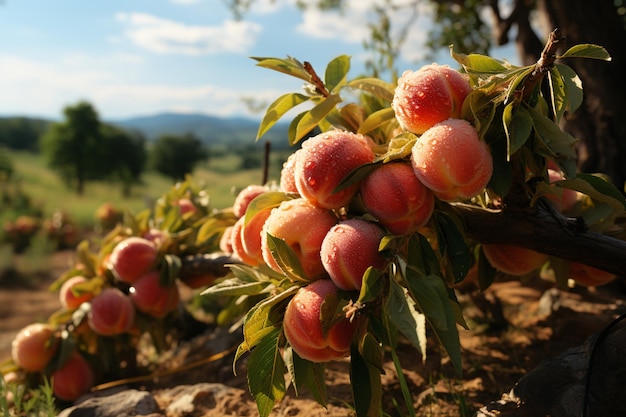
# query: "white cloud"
185,1
166,36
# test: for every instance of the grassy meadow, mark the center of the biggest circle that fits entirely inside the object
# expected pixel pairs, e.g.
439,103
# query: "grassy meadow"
220,176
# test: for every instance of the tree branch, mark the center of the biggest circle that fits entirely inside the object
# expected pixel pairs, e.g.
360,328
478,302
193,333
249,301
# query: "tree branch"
541,229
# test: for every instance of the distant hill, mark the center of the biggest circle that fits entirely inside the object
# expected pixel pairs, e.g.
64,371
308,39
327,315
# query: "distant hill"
210,129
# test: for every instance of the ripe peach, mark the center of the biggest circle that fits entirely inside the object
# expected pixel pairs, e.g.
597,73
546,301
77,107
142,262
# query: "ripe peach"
394,195
67,296
236,241
111,312
513,260
287,178
349,248
303,327
324,161
303,227
152,298
132,258
428,96
589,276
226,241
34,346
251,235
245,196
566,198
451,160
185,205
73,379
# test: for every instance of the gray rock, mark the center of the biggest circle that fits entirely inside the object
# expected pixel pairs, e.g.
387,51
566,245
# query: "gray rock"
122,404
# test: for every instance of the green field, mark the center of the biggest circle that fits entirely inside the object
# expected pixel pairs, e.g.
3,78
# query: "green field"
219,177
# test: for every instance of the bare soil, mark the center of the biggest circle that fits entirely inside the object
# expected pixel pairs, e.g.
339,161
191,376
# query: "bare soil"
514,327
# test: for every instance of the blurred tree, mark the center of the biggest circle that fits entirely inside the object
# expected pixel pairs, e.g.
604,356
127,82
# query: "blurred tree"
6,165
22,133
74,147
81,148
176,156
476,25
126,156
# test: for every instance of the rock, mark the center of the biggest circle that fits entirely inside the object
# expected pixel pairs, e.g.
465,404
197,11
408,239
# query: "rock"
203,399
122,404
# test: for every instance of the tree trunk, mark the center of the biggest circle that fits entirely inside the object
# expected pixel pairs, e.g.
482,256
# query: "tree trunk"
600,122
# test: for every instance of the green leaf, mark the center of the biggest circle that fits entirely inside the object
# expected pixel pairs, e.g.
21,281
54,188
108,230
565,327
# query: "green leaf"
236,287
596,188
519,79
372,285
168,272
377,119
374,86
518,125
357,175
286,259
289,66
336,72
573,87
421,256
479,107
407,320
264,201
277,109
476,63
587,50
307,374
431,297
456,257
486,272
399,147
293,128
558,94
366,385
266,373
314,116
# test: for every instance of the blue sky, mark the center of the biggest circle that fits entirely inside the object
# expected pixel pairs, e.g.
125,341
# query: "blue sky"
141,57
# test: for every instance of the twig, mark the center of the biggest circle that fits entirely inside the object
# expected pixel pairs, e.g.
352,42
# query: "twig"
315,80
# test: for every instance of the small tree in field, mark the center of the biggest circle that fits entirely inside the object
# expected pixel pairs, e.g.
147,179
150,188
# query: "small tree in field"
408,190
176,156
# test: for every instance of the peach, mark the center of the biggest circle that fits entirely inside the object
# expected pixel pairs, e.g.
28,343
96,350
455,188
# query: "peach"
303,327
73,379
185,205
589,276
513,260
152,298
398,200
323,163
430,95
251,234
287,179
111,313
132,258
303,227
68,296
564,198
236,241
245,196
226,241
34,346
349,248
451,160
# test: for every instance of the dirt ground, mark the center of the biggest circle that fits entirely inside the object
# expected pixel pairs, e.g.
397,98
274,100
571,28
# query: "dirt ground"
514,327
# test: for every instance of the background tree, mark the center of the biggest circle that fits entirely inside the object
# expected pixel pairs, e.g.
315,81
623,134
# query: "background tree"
22,133
126,155
74,147
176,156
477,25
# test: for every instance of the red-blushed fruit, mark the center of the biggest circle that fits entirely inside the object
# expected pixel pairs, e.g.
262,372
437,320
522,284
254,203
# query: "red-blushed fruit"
251,234
513,260
565,197
151,298
303,328
323,163
349,248
302,226
430,95
185,205
245,196
132,258
112,312
73,379
287,179
399,201
451,160
34,346
589,276
236,241
69,300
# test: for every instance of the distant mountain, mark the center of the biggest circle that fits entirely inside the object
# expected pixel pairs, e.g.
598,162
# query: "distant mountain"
210,129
